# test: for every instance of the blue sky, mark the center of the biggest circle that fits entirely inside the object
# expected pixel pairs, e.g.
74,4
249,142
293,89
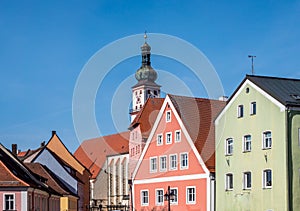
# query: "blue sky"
45,45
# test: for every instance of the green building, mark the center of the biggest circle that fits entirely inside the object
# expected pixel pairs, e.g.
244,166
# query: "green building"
258,147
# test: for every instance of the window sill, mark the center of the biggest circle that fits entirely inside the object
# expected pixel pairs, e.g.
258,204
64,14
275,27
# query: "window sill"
229,154
268,187
228,190
266,148
247,151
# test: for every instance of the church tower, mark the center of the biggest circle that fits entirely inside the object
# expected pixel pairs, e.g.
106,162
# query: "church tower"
146,86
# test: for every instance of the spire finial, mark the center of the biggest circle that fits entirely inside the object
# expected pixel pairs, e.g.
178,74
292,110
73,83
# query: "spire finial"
145,36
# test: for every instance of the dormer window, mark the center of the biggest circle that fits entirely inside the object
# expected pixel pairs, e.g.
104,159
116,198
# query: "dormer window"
295,96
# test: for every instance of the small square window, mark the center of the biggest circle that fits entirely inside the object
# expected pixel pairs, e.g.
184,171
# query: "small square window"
247,143
229,146
159,140
253,108
184,161
267,140
153,164
144,197
240,111
267,178
229,182
168,116
168,138
247,180
191,195
173,162
177,136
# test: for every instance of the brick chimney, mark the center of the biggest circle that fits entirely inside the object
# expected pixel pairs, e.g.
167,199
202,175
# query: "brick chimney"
53,132
14,149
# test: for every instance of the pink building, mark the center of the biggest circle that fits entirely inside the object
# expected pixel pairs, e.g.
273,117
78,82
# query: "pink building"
179,153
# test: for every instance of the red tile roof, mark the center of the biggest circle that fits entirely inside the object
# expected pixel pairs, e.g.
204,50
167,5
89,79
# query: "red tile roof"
92,153
147,116
198,115
8,179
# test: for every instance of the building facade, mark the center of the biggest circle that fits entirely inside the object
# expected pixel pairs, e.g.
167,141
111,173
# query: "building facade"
257,146
179,153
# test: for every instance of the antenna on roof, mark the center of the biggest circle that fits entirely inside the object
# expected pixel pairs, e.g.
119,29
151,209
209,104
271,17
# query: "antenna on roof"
252,56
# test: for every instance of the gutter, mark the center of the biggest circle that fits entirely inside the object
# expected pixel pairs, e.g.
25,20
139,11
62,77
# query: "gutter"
289,162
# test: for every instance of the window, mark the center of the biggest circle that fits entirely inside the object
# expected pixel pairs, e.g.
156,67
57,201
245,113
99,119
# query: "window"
163,163
153,164
169,138
240,111
267,178
168,116
184,161
190,195
177,136
159,140
175,192
253,108
247,180
229,146
247,143
267,140
159,197
9,202
229,181
144,197
173,162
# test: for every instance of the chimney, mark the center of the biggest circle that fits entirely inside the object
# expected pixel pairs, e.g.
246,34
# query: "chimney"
53,132
14,148
43,144
223,98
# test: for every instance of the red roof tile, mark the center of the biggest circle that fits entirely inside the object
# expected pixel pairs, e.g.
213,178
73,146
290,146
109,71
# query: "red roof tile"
147,116
198,115
92,153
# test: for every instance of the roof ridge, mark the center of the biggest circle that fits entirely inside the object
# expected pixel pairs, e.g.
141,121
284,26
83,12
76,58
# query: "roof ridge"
271,77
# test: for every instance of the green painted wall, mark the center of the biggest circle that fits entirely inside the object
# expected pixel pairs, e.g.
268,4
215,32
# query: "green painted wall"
269,117
295,160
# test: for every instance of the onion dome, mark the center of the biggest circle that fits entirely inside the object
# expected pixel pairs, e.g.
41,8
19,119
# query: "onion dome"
146,72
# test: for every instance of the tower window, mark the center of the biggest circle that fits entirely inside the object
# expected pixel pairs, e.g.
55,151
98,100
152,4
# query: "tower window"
155,92
148,91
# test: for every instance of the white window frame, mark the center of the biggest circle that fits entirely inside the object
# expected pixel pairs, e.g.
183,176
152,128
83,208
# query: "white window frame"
227,181
177,137
175,201
169,135
265,185
253,108
157,197
159,137
171,162
143,203
181,160
188,201
245,141
168,116
240,111
228,146
267,140
14,201
245,180
161,163
153,170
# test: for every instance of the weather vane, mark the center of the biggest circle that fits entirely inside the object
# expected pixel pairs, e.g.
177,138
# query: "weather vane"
145,36
252,57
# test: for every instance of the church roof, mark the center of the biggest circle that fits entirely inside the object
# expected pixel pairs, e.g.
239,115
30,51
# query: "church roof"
147,116
92,153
